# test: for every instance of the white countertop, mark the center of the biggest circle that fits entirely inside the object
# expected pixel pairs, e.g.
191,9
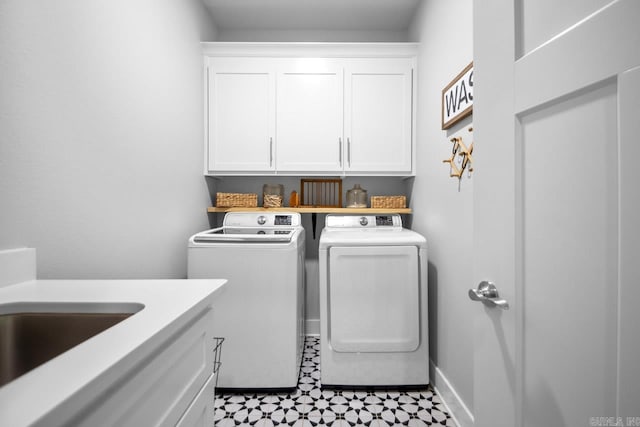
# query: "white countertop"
81,374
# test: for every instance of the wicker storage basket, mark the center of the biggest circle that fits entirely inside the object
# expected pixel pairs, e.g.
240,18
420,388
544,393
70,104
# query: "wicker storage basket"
388,202
236,200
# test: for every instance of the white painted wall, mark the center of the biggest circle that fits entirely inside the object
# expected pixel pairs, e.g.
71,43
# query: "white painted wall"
101,134
443,208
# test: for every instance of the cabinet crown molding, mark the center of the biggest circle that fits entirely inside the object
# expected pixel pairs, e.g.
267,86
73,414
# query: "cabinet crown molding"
311,49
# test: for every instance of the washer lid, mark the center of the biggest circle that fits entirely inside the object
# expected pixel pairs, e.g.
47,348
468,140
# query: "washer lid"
371,237
246,235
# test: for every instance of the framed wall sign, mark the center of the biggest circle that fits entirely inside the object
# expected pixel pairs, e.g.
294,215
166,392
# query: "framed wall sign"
457,98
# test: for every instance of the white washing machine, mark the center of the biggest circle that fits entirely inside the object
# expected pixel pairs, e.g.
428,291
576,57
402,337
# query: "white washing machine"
373,303
261,313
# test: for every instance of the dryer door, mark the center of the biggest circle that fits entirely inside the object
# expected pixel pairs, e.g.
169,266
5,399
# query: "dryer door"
374,299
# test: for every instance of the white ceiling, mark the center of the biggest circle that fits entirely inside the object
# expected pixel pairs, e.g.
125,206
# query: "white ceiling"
333,15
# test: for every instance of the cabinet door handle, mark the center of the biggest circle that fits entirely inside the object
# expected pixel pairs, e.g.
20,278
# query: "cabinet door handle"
270,151
349,151
340,151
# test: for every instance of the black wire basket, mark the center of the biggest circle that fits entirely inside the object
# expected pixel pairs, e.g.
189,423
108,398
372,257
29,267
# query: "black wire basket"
217,351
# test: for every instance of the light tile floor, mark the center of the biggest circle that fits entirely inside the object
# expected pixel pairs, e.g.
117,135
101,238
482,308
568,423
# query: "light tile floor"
309,406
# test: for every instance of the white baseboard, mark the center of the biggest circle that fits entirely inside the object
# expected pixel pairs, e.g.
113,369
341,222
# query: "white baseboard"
450,398
312,327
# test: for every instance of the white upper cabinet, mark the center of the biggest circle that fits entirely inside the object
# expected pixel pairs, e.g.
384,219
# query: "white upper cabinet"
309,109
378,115
309,116
241,115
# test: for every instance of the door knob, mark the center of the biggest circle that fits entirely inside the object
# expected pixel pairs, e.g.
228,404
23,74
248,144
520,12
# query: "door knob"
488,294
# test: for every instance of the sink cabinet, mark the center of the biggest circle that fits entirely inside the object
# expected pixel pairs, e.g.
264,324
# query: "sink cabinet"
173,386
309,109
145,359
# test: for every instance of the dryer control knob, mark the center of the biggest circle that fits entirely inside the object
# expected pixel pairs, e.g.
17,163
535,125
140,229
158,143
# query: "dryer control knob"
262,219
364,221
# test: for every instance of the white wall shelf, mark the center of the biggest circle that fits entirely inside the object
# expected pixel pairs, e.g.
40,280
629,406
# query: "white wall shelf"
312,209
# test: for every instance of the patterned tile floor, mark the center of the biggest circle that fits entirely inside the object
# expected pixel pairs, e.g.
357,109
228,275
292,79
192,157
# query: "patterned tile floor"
309,406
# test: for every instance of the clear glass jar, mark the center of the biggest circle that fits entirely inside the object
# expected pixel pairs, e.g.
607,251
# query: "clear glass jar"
272,195
357,197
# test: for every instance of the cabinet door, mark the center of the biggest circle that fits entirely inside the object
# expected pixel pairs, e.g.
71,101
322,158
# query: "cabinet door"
310,116
378,115
241,115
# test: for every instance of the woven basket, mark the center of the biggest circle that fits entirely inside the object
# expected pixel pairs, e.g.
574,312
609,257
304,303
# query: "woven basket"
236,200
388,202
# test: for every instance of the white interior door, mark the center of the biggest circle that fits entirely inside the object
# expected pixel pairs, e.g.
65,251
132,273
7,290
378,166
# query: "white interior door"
556,123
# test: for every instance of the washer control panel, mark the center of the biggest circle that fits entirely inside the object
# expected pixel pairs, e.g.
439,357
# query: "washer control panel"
262,219
282,220
363,221
384,220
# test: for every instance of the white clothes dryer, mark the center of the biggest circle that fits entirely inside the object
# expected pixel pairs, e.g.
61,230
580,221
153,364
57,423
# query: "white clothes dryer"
261,314
373,303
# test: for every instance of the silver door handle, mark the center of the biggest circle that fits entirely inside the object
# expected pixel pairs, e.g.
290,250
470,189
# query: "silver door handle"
488,294
349,151
340,151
